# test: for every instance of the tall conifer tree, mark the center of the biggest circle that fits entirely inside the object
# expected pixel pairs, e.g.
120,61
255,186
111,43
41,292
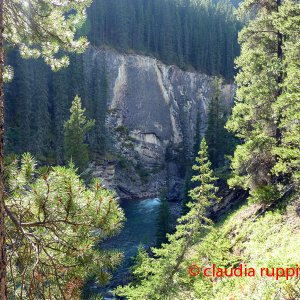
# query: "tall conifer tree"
159,277
76,129
254,119
287,105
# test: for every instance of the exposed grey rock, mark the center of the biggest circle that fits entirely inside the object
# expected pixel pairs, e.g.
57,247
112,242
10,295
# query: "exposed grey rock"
151,107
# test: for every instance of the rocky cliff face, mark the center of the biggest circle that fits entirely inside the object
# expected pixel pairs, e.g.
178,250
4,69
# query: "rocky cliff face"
152,117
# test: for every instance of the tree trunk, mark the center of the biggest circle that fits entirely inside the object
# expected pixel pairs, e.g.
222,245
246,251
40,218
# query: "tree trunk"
279,80
3,289
278,134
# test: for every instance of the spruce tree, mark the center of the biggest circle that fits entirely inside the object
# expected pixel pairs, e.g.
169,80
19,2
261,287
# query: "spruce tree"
287,105
76,128
215,127
197,34
60,104
163,221
219,141
40,115
254,119
160,276
23,94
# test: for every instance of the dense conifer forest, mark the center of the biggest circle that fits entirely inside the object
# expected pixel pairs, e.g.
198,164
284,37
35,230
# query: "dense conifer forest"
195,35
192,34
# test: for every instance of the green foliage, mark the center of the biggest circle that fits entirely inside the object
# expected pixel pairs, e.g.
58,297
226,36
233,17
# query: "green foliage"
266,107
76,129
44,28
220,142
38,103
162,276
202,35
97,110
269,241
142,172
164,221
54,222
122,130
287,106
197,35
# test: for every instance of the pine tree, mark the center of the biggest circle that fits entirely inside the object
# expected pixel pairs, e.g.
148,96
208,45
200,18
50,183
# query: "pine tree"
188,33
39,113
163,222
159,277
259,86
76,129
51,229
287,105
38,29
219,141
60,104
99,94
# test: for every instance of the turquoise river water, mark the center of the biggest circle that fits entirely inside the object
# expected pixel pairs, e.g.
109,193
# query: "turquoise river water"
140,228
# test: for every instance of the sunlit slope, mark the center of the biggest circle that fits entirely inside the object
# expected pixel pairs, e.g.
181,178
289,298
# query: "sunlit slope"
255,240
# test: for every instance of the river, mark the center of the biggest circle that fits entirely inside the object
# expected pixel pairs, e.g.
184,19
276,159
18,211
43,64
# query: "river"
140,228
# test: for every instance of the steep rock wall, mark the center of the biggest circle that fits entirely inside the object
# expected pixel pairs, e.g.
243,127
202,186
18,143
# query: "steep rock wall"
152,117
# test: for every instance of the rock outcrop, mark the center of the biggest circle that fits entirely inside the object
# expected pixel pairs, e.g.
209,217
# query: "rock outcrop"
152,116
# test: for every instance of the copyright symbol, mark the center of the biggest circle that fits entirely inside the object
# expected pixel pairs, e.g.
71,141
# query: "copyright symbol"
194,270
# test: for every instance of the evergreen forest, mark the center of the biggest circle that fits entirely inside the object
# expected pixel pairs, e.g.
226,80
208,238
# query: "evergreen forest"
202,36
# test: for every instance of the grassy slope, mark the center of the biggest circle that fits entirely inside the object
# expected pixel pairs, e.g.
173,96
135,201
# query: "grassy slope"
271,240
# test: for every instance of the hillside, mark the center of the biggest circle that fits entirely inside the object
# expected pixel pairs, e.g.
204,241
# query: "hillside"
256,240
192,34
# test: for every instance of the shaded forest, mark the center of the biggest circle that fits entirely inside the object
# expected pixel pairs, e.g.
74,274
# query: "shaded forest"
195,35
189,33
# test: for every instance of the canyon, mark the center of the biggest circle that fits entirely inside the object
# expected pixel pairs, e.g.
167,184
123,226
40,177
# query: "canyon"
153,111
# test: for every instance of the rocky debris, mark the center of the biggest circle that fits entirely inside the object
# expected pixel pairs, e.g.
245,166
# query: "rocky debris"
106,172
